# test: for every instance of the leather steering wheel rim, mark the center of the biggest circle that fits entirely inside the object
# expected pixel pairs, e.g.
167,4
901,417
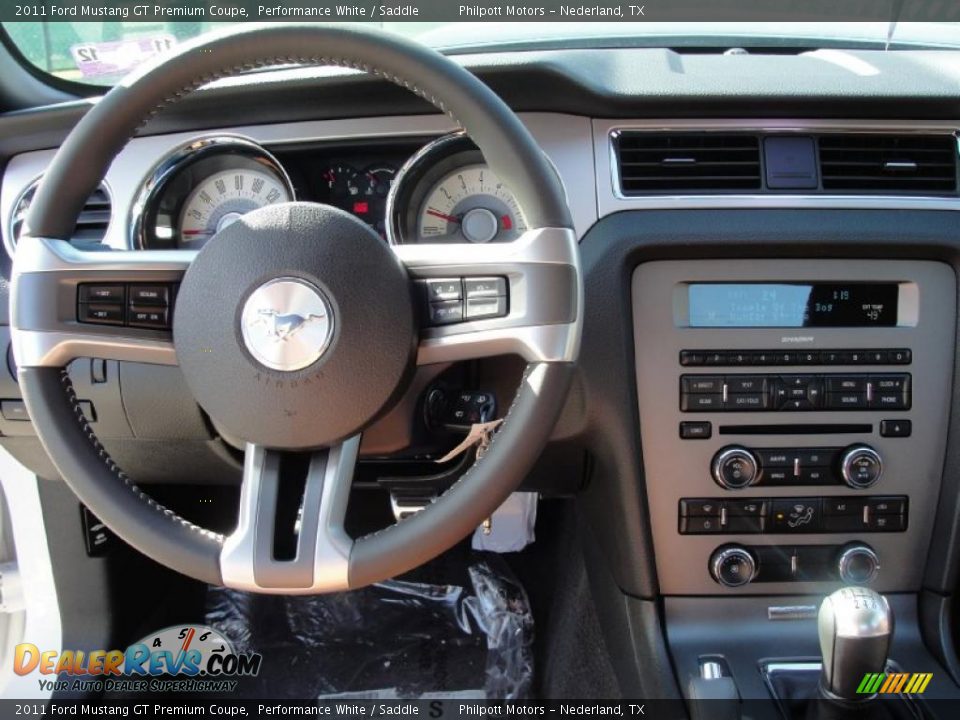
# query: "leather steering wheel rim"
81,163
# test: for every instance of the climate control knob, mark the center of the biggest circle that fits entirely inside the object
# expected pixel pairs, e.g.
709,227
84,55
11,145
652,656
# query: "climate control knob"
861,466
733,566
735,467
857,564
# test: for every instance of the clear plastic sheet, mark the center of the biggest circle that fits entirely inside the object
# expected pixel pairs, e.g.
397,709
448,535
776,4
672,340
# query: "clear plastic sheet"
397,639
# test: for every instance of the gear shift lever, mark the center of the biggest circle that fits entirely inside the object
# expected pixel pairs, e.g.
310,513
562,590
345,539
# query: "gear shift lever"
855,626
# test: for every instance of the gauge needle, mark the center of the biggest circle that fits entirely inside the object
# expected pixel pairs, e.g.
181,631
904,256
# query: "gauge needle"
443,216
197,232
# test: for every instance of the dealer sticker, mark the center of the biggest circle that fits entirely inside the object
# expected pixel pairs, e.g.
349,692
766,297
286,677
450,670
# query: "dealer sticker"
117,57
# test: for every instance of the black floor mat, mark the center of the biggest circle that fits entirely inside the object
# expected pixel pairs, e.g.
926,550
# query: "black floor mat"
397,639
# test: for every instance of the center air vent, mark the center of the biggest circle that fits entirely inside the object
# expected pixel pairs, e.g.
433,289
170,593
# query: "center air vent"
888,163
652,162
91,225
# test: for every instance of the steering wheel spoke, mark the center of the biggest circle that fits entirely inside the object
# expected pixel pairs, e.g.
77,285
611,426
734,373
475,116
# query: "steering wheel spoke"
541,304
64,319
315,553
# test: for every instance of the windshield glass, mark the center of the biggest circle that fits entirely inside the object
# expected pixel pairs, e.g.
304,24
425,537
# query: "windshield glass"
100,53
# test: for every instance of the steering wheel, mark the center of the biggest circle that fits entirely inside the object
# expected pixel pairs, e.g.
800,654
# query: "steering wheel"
323,268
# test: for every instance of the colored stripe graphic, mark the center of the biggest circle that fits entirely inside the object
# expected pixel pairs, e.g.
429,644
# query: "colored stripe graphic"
894,683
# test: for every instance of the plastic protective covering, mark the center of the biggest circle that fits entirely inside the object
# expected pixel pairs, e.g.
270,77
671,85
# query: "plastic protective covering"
393,640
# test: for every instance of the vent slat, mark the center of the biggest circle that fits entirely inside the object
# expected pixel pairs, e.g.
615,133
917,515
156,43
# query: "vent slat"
651,162
888,163
91,224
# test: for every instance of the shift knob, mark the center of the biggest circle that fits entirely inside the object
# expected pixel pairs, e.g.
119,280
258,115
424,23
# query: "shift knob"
855,626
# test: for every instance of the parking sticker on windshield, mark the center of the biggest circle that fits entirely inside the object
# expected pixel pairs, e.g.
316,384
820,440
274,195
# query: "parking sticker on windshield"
116,57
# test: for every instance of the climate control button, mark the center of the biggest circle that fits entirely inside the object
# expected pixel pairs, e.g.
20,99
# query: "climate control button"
733,566
861,466
735,468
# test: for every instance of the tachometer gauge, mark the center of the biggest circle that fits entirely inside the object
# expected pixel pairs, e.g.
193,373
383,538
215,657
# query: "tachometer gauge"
470,204
225,197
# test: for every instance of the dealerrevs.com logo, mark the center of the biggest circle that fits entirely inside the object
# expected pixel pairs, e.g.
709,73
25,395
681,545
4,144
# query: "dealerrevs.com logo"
187,658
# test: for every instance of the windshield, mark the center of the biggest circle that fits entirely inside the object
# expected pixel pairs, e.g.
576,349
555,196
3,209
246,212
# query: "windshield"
100,53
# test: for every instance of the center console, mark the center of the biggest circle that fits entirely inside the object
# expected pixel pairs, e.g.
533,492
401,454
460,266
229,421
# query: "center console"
793,420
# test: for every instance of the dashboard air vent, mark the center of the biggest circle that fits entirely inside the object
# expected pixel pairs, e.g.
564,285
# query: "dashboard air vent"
652,162
888,163
91,225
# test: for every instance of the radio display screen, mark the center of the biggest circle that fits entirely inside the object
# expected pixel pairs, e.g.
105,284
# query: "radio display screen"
792,305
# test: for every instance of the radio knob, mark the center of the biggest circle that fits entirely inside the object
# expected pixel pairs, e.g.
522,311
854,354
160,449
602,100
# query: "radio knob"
861,466
857,564
733,566
735,468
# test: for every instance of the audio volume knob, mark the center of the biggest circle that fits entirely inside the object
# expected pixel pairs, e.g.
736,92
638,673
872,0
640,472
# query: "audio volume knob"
733,566
735,467
861,466
857,564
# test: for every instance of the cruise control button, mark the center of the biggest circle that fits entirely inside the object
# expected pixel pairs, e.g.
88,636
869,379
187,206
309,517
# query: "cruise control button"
484,287
101,294
485,307
444,313
100,314
148,317
149,295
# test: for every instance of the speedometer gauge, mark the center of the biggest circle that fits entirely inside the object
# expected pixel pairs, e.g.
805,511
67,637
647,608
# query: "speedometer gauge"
223,198
470,204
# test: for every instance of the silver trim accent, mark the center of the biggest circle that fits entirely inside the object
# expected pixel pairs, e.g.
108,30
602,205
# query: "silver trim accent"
850,455
52,339
331,554
532,328
719,557
846,557
170,164
276,317
791,612
711,670
9,239
610,199
725,455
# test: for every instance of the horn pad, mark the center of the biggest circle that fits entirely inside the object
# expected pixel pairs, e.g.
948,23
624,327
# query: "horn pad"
295,326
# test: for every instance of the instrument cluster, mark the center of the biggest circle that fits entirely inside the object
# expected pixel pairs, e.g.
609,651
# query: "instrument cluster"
406,190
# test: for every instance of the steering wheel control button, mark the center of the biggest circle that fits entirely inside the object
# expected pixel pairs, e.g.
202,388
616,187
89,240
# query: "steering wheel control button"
861,466
287,324
446,313
690,430
735,468
150,295
442,290
485,307
157,318
101,294
454,300
101,314
733,566
858,564
485,287
795,515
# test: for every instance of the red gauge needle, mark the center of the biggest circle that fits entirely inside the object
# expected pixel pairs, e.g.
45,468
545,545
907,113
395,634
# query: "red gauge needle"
197,232
443,216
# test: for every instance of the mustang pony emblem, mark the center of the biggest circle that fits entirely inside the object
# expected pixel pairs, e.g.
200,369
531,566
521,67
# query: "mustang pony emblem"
283,326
